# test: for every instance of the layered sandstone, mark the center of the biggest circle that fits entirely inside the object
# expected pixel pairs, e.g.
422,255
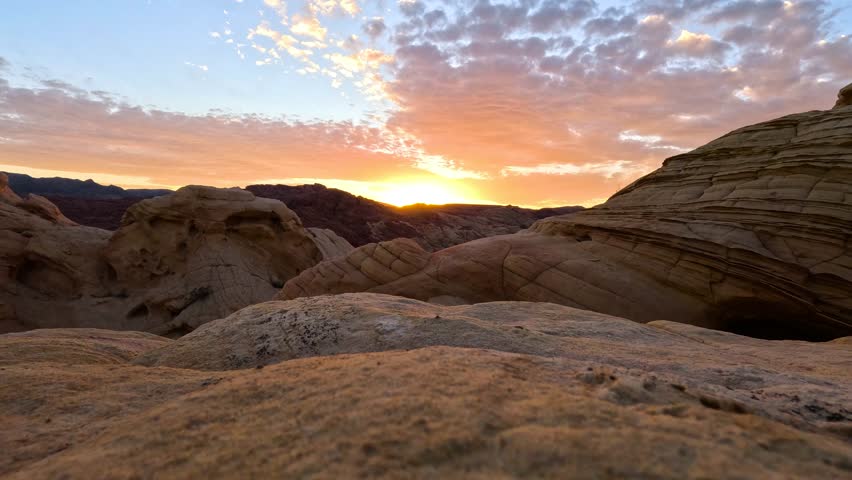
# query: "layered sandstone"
749,233
365,385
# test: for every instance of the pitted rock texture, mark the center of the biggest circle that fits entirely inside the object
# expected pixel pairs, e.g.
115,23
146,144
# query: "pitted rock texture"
590,396
751,233
774,377
177,261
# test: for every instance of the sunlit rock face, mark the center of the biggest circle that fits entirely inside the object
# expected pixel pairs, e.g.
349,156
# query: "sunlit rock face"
749,233
177,261
393,387
34,204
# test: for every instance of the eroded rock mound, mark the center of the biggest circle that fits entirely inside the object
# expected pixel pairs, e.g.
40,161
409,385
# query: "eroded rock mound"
749,233
591,396
177,261
203,252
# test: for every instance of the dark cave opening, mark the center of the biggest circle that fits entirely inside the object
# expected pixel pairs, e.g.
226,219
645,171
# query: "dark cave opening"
139,311
769,320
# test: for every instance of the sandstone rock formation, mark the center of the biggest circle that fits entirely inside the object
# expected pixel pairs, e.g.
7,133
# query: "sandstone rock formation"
7,195
844,98
177,261
501,390
330,244
43,261
31,203
749,233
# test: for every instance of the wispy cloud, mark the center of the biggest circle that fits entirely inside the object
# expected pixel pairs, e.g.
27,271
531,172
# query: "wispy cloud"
608,170
203,68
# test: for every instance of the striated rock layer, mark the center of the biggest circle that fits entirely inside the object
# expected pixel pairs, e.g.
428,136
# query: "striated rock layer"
749,233
177,261
500,390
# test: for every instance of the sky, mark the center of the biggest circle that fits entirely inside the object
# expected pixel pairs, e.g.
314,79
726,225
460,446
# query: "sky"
529,102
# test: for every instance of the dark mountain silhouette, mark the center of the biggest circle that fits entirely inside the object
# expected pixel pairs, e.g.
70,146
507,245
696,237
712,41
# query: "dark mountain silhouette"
67,187
361,220
357,219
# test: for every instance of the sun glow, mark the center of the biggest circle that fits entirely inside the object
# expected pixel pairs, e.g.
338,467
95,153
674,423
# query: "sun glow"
400,191
409,192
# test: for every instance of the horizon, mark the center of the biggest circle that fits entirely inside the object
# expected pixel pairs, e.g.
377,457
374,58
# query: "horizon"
528,103
244,187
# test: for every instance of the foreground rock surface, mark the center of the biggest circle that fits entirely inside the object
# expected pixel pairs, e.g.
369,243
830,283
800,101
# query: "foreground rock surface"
177,261
547,391
749,233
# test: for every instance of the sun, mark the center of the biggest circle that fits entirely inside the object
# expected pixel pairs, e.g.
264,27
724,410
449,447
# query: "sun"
408,192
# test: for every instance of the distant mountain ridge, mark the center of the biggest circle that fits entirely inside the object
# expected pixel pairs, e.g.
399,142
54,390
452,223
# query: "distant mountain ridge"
361,220
68,187
357,219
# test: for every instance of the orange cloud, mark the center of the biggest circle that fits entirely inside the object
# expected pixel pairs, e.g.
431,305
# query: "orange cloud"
497,102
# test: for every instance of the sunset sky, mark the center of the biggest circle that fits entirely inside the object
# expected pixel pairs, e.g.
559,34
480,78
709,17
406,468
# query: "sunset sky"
529,102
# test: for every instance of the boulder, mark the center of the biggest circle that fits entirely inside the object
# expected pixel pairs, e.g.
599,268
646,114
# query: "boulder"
749,233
